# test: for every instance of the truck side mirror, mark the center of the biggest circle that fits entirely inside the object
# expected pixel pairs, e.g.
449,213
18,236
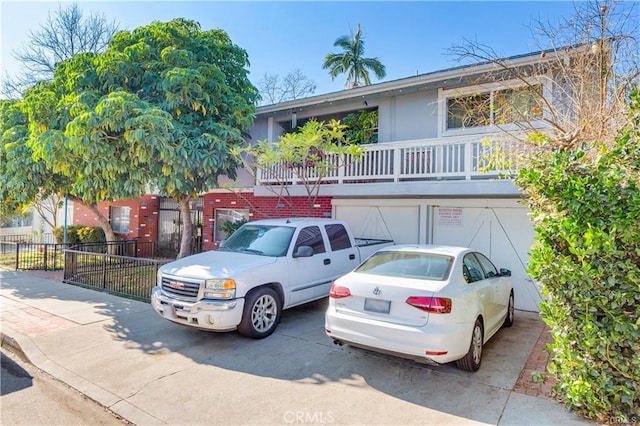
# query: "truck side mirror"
303,251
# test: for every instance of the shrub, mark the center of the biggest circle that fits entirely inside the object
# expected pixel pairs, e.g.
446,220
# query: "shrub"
72,234
91,234
585,207
362,127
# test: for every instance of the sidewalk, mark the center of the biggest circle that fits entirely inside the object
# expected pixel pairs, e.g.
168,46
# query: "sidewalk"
121,354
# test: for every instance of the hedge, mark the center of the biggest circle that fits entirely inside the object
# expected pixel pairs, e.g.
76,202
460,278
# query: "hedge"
585,206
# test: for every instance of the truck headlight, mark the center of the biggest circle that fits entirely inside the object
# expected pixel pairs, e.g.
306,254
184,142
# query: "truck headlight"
159,278
220,288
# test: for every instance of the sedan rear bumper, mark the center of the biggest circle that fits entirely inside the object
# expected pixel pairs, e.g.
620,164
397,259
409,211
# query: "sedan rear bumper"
423,344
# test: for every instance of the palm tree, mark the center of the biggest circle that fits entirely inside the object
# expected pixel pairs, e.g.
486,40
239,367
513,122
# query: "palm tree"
352,62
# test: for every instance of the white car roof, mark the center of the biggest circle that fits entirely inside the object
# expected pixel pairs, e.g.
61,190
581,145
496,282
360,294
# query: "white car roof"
454,251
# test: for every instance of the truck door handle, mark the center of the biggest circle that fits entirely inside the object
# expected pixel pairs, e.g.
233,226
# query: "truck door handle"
352,256
327,261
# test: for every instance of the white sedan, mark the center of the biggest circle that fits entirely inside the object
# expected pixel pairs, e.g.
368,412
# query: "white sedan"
433,304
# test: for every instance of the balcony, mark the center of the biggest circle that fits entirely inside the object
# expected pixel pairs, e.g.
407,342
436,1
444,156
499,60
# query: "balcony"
443,159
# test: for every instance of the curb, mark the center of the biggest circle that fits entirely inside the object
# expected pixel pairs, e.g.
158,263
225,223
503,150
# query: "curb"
12,345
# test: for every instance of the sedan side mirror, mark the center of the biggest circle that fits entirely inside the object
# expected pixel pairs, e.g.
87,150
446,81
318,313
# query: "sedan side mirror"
505,272
303,251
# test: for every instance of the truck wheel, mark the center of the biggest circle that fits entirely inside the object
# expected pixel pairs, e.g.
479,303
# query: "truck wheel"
261,313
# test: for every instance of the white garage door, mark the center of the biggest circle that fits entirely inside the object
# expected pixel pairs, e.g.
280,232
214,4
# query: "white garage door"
399,223
504,234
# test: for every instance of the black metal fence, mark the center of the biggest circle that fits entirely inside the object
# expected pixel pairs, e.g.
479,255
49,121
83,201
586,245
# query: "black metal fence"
30,256
132,277
50,257
28,238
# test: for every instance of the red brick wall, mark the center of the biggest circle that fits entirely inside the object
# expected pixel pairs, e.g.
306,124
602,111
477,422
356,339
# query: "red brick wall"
144,212
143,223
258,207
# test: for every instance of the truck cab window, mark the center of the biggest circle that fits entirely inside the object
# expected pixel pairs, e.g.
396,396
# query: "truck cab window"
310,236
338,237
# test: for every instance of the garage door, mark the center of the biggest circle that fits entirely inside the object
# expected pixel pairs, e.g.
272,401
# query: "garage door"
399,223
504,234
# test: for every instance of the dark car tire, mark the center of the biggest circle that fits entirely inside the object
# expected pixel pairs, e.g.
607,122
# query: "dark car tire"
472,360
508,321
262,309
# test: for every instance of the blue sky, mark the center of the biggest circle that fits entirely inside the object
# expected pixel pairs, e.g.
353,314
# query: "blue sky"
408,37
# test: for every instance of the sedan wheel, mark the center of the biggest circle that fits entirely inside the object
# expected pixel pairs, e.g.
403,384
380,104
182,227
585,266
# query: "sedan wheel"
471,361
261,313
508,321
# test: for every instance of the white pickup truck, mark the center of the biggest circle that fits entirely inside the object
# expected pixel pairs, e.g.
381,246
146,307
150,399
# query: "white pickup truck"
262,268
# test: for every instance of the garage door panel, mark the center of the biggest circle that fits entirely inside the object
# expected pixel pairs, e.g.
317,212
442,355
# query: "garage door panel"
387,222
504,234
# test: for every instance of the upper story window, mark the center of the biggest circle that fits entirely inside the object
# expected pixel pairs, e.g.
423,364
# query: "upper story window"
481,109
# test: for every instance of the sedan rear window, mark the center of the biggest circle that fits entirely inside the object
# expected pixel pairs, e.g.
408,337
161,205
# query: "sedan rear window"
425,266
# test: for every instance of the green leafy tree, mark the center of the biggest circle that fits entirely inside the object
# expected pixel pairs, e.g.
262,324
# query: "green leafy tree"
23,178
312,154
160,108
351,61
95,145
200,81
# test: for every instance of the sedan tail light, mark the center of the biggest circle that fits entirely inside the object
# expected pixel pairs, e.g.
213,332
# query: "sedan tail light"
435,305
338,292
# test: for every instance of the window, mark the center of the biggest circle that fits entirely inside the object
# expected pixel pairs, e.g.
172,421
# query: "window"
472,269
338,237
120,217
489,269
469,111
18,221
310,236
223,216
261,240
514,105
497,106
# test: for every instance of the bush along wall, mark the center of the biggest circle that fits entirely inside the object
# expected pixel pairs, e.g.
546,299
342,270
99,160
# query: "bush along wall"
79,234
586,211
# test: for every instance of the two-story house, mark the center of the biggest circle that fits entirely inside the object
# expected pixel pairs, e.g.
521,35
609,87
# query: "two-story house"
424,178
425,175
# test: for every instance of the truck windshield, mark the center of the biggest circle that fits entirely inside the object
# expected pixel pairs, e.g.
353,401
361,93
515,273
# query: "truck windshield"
259,239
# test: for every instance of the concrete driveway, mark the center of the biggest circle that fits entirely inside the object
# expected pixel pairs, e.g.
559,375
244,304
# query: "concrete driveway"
150,371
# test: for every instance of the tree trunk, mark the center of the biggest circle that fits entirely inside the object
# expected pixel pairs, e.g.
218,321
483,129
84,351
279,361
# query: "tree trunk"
187,227
102,221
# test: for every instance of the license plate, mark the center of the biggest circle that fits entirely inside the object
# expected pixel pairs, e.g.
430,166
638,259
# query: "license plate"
377,305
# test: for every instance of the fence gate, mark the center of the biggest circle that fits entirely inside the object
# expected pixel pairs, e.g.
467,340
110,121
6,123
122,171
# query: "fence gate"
170,226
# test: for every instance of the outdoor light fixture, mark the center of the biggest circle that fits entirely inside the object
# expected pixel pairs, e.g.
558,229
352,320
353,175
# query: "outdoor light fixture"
294,120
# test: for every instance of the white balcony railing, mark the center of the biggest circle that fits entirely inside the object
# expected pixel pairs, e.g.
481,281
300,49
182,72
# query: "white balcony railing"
427,159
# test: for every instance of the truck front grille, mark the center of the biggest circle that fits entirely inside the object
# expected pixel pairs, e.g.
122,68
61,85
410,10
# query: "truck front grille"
185,290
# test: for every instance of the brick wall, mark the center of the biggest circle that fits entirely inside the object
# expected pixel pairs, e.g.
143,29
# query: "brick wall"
143,223
258,208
